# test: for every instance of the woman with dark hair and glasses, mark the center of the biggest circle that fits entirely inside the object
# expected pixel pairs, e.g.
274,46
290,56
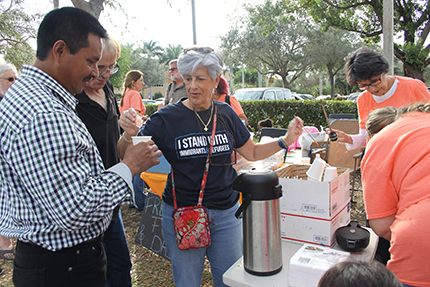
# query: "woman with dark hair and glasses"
183,132
8,75
367,69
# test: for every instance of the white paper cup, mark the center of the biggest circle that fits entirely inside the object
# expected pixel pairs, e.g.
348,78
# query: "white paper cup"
330,173
316,170
138,139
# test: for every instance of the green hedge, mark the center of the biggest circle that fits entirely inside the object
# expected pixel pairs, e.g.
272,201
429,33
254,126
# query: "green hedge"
281,112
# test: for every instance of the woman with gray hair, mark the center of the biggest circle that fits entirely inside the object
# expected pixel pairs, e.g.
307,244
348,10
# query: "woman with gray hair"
8,75
183,132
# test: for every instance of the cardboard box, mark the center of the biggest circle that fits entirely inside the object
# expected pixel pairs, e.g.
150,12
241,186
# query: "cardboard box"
272,162
312,198
313,230
310,262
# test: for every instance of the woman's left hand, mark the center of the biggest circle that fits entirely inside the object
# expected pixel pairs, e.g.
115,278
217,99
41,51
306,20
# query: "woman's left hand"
295,129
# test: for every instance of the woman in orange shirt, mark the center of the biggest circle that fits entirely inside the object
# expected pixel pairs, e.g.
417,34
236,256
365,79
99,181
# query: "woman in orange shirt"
132,99
395,187
220,94
368,70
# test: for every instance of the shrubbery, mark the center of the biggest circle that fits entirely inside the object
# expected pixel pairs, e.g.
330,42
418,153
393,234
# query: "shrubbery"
281,112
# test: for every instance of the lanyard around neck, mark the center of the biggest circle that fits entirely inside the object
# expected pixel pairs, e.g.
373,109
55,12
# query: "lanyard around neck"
205,174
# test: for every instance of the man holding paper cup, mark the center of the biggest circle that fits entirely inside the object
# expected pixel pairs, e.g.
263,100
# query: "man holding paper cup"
56,197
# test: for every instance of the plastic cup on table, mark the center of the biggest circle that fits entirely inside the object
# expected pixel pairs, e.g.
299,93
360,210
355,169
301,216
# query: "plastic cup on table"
330,173
138,139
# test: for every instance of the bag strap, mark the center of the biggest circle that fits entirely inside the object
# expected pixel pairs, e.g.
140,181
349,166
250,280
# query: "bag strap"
205,174
227,99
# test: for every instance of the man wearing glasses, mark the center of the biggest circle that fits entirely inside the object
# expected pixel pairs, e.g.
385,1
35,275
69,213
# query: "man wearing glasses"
99,111
176,89
367,69
8,75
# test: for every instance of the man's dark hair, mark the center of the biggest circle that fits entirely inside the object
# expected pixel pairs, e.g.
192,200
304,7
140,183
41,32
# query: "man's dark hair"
364,64
359,274
72,25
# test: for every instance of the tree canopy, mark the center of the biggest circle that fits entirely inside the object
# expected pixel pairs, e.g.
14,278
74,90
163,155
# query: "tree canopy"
17,28
411,20
270,41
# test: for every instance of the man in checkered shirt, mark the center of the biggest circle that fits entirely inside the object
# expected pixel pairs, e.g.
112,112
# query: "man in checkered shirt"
55,195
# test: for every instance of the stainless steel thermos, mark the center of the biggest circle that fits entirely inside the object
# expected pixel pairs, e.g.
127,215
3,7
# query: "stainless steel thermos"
262,251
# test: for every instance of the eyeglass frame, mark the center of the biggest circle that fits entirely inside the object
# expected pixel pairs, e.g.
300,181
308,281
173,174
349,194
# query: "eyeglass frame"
373,84
9,79
201,50
111,71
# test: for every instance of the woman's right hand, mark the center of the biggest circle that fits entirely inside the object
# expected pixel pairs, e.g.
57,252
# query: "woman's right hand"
130,121
341,136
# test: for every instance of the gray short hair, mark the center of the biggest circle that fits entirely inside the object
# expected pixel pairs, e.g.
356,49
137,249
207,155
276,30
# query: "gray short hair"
6,67
213,62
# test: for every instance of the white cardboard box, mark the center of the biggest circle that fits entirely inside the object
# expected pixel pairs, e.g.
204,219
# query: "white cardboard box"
312,198
310,262
313,230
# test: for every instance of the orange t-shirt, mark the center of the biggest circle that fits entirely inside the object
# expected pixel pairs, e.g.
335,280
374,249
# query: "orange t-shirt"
408,91
132,99
234,103
395,175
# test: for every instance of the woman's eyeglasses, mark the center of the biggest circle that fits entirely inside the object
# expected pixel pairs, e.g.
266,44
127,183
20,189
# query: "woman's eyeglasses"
10,79
372,84
202,50
111,71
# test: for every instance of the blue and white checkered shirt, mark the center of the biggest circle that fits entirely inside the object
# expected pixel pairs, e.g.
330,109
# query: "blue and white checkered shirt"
54,191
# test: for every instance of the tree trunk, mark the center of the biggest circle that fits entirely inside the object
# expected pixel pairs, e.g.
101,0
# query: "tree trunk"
94,7
331,76
409,70
413,71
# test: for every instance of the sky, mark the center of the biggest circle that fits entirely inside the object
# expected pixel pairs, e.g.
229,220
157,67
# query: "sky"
164,21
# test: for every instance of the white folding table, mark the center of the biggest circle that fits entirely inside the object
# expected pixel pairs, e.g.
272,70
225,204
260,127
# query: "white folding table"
236,276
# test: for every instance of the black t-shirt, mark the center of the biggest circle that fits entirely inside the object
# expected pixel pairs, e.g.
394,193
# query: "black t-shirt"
180,136
102,124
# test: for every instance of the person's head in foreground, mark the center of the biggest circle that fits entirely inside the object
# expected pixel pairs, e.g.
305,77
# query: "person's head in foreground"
201,69
359,274
380,118
367,69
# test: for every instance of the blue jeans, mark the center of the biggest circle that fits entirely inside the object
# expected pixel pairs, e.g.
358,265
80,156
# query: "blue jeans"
139,196
118,256
225,249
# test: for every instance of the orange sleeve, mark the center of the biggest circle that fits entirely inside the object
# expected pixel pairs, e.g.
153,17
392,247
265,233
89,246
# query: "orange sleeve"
236,106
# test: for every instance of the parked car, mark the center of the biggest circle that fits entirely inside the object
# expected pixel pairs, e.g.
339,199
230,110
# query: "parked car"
324,97
302,97
353,97
147,102
251,94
